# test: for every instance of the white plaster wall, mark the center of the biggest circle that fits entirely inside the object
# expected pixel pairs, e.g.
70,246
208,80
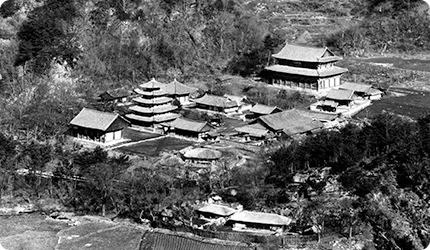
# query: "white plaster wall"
109,136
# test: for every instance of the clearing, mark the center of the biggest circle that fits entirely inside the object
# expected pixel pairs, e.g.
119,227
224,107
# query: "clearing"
411,103
151,148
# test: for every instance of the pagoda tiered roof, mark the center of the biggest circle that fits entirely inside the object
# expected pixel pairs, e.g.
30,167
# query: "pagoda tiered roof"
157,118
155,100
153,85
153,93
153,110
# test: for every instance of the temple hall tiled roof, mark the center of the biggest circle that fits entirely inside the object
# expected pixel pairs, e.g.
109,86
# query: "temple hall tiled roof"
216,101
94,119
290,120
356,87
190,125
256,130
306,54
340,94
264,109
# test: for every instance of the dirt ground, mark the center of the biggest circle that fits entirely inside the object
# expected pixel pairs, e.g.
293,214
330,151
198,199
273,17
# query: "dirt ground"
40,232
29,232
155,147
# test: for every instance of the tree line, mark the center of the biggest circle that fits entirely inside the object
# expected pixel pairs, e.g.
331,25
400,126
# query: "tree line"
379,172
382,166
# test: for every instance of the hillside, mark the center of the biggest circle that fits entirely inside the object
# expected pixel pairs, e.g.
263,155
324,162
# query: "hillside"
365,184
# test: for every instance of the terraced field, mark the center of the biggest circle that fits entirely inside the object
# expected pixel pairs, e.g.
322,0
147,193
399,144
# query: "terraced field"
309,22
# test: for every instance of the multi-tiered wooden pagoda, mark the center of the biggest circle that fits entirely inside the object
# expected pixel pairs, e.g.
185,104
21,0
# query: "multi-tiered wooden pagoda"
153,106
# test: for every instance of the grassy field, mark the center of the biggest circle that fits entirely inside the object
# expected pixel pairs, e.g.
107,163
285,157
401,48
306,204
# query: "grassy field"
401,63
414,104
37,232
135,135
29,232
155,147
107,237
229,125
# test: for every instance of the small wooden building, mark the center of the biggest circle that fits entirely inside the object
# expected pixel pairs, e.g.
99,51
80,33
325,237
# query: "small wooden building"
254,132
290,122
343,97
243,103
115,96
186,127
360,90
216,103
259,109
363,90
98,126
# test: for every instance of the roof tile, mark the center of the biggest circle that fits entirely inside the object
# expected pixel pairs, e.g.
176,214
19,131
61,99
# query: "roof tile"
264,109
189,125
94,119
290,119
306,54
216,101
356,87
260,218
340,94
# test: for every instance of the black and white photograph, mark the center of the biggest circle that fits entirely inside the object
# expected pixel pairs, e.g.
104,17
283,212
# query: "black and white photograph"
214,124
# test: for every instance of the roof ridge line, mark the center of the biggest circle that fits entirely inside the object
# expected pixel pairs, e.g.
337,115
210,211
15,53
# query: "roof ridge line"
113,120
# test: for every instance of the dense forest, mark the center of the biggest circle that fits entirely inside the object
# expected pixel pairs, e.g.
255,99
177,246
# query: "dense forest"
55,56
387,26
72,51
